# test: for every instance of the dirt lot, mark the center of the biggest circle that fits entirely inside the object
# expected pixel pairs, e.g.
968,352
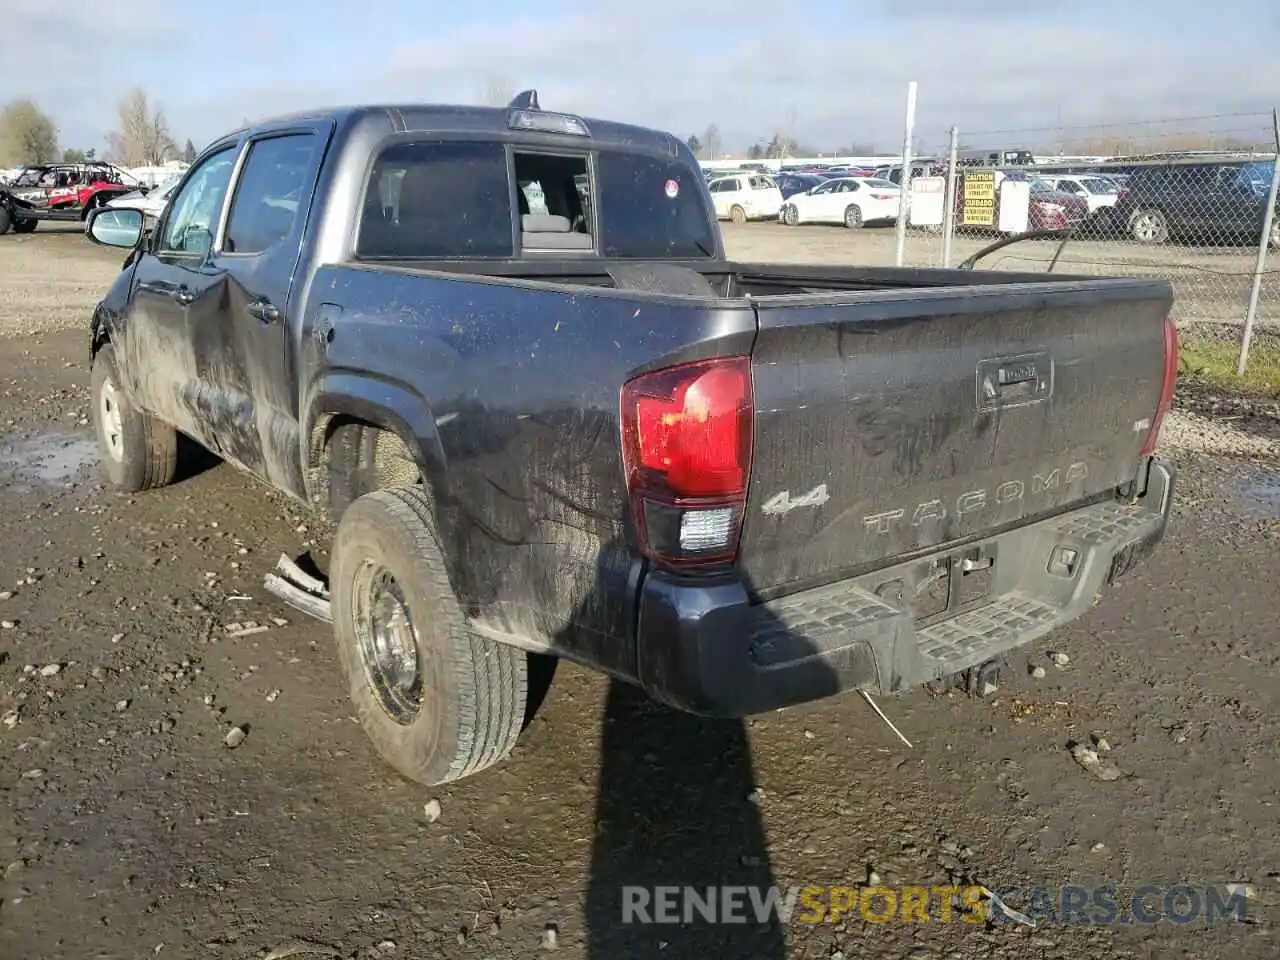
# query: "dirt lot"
128,829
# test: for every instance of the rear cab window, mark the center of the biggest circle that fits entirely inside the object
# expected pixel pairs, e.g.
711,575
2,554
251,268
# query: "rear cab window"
483,199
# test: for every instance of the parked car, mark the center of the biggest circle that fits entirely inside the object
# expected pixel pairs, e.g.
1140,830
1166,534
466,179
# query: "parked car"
1054,209
793,183
543,435
1099,193
853,201
1198,201
746,196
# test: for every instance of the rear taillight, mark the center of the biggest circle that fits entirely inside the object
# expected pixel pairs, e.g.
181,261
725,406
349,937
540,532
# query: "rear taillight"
686,450
1166,386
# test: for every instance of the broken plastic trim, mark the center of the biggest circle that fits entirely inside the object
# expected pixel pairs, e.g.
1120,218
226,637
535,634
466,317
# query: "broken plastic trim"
298,589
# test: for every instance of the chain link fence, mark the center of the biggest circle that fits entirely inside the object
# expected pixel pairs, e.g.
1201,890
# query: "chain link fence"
1182,200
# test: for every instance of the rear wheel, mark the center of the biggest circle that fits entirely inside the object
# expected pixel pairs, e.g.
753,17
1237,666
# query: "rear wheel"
1273,240
25,226
853,217
438,702
138,451
790,215
1149,226
738,214
5,221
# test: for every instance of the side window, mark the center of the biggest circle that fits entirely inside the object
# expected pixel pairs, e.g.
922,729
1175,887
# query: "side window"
194,212
272,184
441,199
823,188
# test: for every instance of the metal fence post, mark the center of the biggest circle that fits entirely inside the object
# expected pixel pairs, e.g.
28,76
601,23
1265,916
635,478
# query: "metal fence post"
949,198
904,204
1264,242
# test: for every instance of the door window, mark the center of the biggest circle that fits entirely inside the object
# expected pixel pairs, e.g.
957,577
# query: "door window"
269,193
195,210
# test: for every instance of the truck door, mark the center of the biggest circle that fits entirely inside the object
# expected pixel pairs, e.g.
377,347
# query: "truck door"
174,285
244,360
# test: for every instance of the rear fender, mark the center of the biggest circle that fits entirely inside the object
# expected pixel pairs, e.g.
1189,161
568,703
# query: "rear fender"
386,404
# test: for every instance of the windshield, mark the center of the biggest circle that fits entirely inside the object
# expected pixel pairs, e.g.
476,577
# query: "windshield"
29,177
1258,175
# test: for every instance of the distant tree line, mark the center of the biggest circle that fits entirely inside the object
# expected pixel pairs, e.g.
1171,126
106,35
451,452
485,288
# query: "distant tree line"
29,135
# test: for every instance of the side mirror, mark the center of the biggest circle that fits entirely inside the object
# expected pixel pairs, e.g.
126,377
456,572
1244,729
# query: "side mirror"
109,227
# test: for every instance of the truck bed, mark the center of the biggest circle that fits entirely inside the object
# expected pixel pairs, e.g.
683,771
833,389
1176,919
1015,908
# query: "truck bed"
897,412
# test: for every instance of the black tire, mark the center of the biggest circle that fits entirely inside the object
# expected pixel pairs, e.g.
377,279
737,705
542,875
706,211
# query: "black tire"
5,219
26,226
465,706
1149,226
790,215
738,214
1273,239
138,451
853,217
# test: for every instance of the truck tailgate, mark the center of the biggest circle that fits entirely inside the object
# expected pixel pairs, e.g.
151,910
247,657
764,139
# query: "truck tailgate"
890,423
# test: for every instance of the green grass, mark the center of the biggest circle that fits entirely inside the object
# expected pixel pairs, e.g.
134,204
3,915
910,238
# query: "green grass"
1210,362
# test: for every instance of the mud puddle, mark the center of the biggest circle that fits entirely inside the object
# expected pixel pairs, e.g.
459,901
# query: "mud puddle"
48,459
1260,493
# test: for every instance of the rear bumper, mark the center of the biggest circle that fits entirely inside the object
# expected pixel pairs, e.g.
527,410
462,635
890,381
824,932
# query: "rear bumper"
703,647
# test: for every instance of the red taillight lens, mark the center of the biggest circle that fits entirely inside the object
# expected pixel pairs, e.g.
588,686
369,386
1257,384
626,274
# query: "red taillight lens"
686,450
1166,387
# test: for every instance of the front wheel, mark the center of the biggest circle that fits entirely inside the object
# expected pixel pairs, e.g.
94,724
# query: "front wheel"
438,702
139,452
738,214
1273,239
790,215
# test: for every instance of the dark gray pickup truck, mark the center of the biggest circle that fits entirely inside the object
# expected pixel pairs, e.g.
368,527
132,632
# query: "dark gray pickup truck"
503,350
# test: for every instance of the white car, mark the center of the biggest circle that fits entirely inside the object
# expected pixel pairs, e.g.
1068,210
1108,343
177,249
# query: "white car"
151,203
1099,192
852,201
745,196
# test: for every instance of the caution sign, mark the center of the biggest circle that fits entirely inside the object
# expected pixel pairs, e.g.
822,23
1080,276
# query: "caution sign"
979,198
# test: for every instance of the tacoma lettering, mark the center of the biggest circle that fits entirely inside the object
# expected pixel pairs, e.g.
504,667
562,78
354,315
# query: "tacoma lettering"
973,501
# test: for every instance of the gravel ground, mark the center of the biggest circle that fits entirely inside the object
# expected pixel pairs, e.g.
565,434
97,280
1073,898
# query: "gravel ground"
129,828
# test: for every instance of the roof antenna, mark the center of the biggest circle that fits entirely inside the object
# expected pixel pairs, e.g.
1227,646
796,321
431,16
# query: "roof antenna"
525,100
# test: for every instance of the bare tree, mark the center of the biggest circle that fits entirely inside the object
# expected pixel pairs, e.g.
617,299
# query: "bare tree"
143,138
27,134
711,143
498,90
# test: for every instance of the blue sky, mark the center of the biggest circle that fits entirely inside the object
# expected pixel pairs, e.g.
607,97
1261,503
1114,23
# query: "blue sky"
750,66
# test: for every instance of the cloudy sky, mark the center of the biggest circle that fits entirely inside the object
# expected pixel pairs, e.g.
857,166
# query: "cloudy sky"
748,66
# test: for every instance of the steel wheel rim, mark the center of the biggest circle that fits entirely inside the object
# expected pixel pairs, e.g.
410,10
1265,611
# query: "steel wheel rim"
111,420
387,640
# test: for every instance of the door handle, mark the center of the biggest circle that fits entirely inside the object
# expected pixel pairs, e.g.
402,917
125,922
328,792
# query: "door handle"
264,310
183,295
